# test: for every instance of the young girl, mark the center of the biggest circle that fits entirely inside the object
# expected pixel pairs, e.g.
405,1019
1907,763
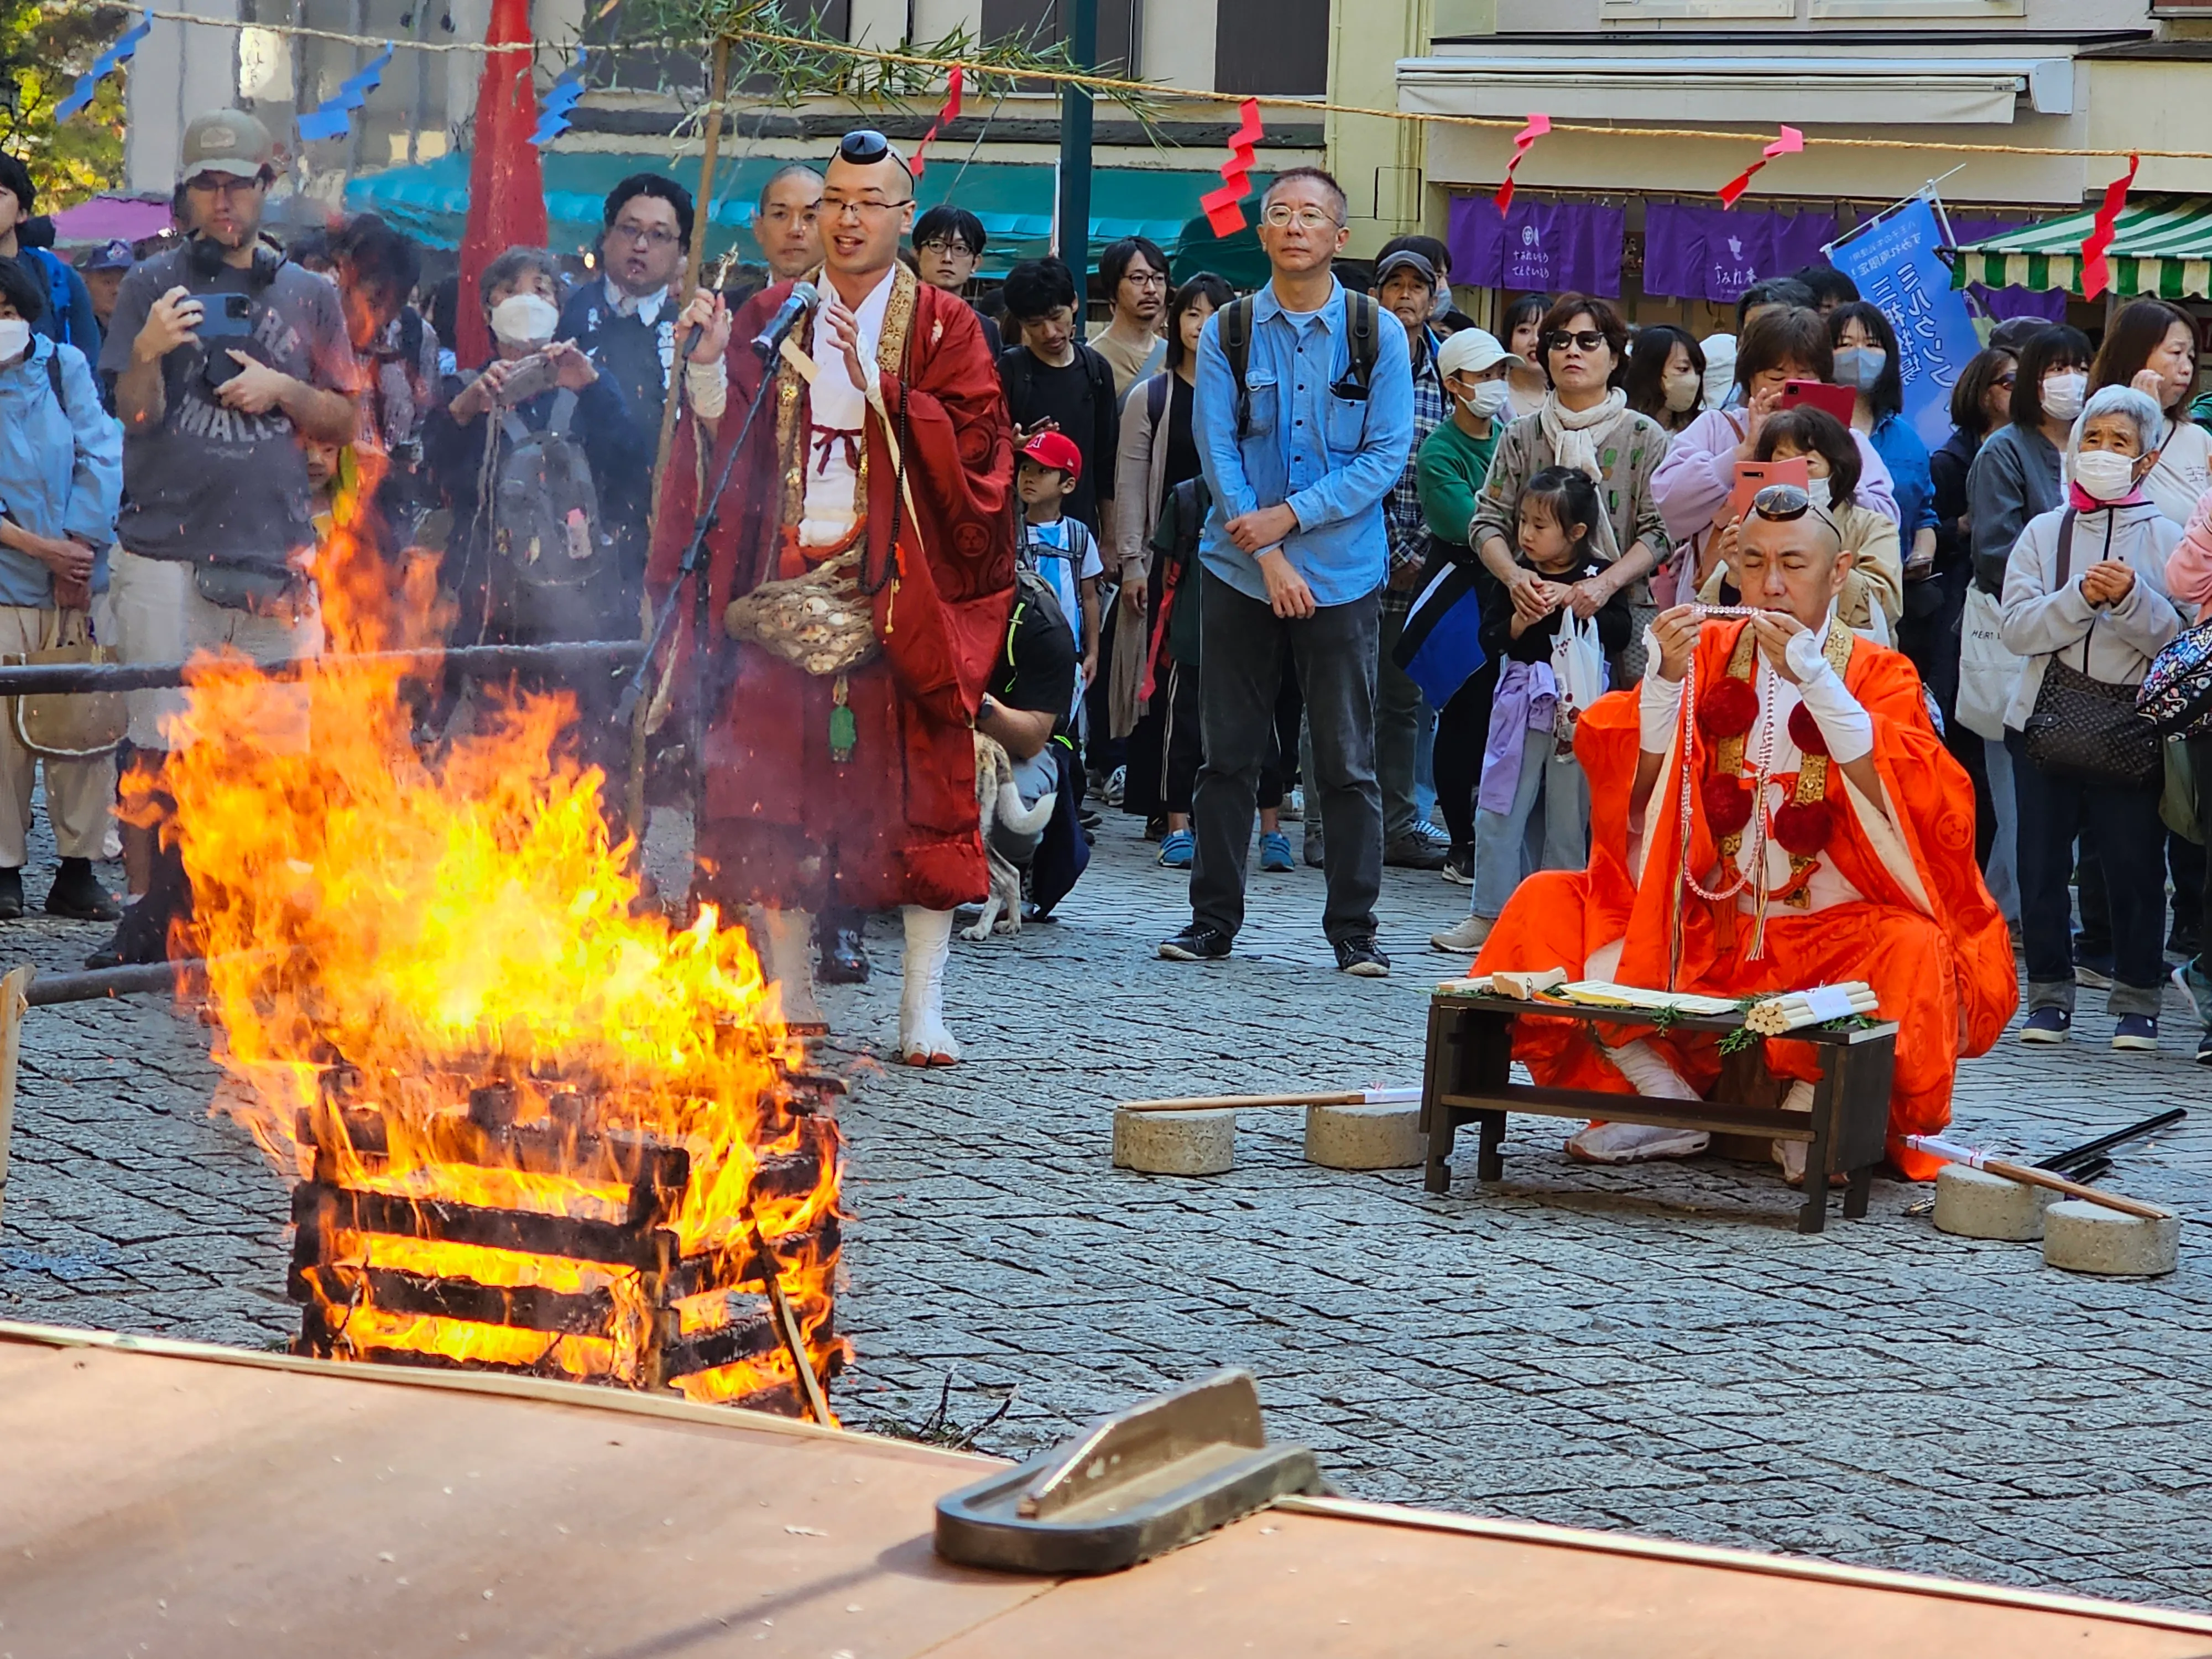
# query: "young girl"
1833,460
1530,756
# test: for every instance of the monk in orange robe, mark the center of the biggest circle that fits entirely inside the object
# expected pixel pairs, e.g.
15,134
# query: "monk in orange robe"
1830,836
877,487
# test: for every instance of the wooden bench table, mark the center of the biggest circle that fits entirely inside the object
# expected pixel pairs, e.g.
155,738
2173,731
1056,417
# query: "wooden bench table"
1467,1078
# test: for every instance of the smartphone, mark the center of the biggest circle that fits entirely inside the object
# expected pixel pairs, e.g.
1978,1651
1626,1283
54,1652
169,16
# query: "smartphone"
1752,477
225,316
1838,400
226,321
529,376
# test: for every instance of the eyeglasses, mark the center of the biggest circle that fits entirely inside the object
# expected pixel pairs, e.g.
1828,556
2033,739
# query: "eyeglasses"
649,235
1588,339
946,247
1283,215
2006,382
1785,503
1145,278
224,183
866,206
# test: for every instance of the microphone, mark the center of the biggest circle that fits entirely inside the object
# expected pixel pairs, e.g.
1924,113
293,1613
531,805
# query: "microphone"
803,298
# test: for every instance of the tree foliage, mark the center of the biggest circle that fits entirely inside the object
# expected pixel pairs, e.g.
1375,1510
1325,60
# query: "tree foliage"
45,45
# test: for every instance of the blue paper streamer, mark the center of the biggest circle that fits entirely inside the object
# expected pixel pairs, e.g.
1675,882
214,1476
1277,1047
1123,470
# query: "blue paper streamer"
334,115
560,98
102,66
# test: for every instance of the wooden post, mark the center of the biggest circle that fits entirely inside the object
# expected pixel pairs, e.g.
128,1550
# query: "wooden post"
710,157
12,1007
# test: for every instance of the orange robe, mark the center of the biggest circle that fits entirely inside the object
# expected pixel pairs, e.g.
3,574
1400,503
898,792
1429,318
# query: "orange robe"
1925,933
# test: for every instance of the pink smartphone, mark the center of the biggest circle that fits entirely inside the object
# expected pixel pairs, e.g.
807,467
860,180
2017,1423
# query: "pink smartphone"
1752,477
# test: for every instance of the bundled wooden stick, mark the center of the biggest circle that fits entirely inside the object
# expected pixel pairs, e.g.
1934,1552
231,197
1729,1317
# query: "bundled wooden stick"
1794,1010
1405,1097
2028,1176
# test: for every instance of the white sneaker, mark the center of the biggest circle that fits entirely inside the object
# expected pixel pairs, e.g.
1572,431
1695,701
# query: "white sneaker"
1635,1143
1467,936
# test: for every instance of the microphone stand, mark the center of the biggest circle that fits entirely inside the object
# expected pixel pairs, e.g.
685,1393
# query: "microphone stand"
687,568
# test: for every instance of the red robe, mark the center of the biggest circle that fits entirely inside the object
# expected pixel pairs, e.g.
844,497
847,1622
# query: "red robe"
1925,934
782,823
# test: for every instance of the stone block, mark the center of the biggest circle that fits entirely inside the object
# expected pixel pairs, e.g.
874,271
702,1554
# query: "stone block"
1975,1204
1175,1143
1386,1137
2087,1238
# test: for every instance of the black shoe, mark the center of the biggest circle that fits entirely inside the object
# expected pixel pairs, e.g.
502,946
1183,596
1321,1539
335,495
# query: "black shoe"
1088,820
1196,943
1156,827
11,894
76,893
1361,955
2204,1048
143,935
844,960
1415,851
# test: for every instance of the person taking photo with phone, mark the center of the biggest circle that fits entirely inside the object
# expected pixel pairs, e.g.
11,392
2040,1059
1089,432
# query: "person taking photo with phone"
224,358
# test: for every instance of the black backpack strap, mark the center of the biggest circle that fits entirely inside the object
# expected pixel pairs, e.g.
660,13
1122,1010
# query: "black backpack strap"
54,378
1361,321
1236,326
1156,390
564,410
1017,386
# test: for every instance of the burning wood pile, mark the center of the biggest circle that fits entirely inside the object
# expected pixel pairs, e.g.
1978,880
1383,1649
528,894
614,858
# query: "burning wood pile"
537,1127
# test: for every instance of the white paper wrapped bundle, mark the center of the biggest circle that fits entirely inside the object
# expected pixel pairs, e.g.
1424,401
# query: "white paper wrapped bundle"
1794,1010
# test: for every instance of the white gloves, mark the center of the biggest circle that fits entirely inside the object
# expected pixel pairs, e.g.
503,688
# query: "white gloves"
1847,726
1659,705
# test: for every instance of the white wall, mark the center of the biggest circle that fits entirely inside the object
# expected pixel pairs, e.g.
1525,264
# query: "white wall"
179,71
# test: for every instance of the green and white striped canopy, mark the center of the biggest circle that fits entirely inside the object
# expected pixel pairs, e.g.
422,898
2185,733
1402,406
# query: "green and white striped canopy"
2162,246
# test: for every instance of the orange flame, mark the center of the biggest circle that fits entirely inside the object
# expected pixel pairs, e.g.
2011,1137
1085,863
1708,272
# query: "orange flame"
439,924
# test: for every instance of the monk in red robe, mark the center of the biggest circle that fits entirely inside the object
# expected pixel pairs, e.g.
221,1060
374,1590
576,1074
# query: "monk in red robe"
1829,835
861,573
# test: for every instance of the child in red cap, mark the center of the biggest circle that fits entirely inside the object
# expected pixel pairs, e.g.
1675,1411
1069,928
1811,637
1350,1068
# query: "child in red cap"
1059,549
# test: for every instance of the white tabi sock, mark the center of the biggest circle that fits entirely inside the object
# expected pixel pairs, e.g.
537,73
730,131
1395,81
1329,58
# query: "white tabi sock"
923,1038
787,939
1648,1072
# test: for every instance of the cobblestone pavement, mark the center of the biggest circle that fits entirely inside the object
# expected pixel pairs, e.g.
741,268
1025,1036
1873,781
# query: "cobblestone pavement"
1652,1348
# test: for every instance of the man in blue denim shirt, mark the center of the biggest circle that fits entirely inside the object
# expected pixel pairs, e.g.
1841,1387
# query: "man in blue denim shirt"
1294,555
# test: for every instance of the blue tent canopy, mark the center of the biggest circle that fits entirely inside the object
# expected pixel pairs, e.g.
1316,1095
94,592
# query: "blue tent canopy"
1014,201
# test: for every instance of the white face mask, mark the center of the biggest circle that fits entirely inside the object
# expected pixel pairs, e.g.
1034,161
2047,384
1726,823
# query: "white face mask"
2100,472
1682,392
1821,491
1486,401
14,338
2064,393
525,320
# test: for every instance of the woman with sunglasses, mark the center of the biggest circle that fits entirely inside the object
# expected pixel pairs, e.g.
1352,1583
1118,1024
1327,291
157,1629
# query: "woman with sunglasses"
1585,423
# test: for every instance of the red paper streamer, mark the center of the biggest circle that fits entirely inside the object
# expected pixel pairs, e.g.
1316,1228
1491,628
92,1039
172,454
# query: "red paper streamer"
2096,269
1788,144
1537,127
945,117
506,187
1221,208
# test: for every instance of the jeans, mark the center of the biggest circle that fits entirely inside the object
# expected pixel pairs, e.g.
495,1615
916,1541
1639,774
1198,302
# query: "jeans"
1247,650
1397,721
2001,869
2131,841
1510,846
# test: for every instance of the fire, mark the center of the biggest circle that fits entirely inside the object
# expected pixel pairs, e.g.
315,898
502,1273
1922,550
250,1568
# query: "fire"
437,988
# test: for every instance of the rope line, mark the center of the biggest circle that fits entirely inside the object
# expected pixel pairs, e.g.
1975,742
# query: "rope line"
1108,83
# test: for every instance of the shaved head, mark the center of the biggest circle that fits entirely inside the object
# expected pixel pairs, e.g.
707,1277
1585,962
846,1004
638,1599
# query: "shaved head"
1797,565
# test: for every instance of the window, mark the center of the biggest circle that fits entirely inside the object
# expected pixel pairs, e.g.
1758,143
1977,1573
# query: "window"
1043,22
1279,46
1639,11
1904,11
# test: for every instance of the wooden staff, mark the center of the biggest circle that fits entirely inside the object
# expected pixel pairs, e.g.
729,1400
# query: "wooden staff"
2028,1176
1239,1102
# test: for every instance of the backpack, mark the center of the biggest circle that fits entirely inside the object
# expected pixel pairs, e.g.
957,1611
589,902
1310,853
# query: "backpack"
1017,364
552,557
57,290
1362,318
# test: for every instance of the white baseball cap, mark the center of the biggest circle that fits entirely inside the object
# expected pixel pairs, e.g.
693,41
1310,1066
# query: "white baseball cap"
1469,351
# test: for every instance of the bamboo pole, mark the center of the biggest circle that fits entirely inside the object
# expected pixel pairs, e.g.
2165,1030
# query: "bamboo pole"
11,1049
1404,1096
2028,1176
